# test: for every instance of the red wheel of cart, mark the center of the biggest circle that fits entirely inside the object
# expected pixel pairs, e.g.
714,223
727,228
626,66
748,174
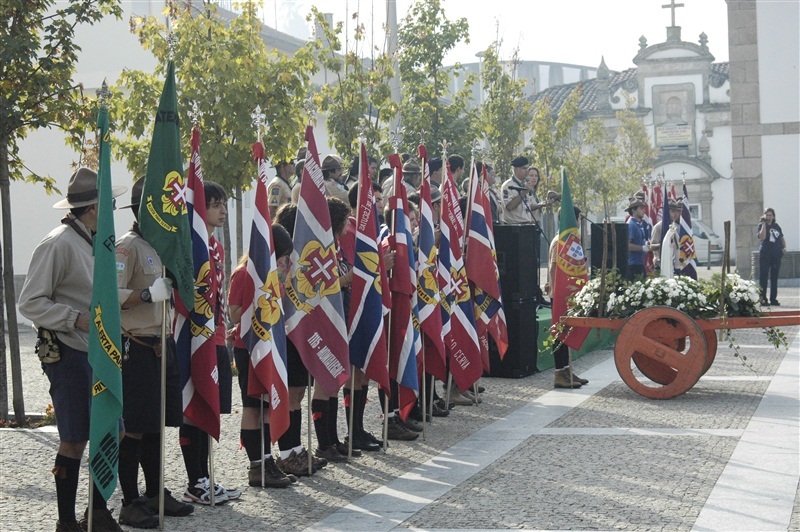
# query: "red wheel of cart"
667,347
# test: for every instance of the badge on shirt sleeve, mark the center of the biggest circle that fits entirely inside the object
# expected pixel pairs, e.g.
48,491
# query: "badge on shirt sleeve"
150,261
121,266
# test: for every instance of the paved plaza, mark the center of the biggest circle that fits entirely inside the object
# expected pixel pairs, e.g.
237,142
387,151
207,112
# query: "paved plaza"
723,456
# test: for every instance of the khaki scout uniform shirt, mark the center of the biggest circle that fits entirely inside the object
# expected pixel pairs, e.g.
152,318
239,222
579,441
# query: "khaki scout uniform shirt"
334,189
520,215
58,286
138,266
279,192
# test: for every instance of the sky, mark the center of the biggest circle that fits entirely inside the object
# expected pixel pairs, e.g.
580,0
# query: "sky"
564,31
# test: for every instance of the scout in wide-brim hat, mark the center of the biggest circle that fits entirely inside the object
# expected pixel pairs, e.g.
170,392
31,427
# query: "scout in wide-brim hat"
82,190
136,194
633,204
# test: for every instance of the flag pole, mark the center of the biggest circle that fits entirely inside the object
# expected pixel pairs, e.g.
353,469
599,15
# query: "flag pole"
163,406
350,420
388,392
90,509
309,423
211,483
424,395
262,452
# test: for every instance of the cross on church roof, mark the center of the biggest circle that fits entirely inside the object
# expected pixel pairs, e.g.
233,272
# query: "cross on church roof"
672,6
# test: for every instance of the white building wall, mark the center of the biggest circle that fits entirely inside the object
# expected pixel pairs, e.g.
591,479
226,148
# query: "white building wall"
780,156
779,79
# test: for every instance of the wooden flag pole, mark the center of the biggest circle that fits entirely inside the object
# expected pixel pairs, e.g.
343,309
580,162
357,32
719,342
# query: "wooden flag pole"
424,388
309,422
350,420
163,413
263,454
90,509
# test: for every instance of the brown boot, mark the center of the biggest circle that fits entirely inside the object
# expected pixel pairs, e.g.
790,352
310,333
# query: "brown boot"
563,379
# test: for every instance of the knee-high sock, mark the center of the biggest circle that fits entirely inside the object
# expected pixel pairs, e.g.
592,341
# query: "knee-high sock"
191,450
150,460
296,427
333,418
66,473
251,441
129,453
319,412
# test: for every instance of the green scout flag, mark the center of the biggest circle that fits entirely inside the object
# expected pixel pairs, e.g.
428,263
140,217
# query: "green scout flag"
163,216
104,333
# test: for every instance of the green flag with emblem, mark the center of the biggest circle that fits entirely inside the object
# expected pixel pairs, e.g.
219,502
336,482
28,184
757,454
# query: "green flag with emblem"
163,215
104,333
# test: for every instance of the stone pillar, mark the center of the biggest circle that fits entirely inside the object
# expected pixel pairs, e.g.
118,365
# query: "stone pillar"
745,127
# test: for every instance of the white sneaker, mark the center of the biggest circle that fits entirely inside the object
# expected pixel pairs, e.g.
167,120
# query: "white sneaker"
219,491
200,493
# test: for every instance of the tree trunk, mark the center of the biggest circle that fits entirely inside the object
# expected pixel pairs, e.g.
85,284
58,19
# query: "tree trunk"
237,199
3,372
9,294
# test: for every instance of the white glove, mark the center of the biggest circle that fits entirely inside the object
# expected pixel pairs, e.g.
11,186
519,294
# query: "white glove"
646,247
161,290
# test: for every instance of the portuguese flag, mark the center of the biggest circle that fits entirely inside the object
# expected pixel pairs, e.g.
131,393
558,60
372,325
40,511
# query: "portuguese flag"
571,271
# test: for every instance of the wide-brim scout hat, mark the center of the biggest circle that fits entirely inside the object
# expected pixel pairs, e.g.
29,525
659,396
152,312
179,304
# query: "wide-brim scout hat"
136,194
331,162
676,205
411,168
436,195
82,190
633,204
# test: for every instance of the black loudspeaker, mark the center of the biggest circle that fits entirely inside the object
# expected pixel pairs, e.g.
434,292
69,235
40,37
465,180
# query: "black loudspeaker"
520,358
516,247
620,250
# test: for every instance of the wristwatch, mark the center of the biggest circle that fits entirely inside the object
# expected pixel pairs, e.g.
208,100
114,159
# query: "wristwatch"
145,295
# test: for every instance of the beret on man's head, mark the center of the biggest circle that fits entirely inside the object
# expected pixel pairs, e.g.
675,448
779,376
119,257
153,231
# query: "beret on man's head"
518,162
435,164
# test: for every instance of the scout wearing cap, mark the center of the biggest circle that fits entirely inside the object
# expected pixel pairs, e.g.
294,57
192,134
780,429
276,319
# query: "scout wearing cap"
520,162
516,206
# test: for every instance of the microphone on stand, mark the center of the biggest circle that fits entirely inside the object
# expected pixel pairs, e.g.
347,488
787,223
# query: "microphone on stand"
518,189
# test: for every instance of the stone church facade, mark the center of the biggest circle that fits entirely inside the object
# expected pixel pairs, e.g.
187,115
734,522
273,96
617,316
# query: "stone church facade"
683,98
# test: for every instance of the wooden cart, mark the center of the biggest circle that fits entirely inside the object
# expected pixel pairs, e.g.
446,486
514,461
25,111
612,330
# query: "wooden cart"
669,348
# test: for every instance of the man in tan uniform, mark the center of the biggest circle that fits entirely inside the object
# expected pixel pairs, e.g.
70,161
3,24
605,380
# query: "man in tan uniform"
56,297
333,172
142,289
279,190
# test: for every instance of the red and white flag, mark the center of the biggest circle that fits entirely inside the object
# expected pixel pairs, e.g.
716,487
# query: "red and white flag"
262,326
482,271
368,350
461,338
428,294
315,320
194,328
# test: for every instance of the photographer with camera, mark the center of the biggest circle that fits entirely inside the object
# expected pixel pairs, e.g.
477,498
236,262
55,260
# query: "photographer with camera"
770,253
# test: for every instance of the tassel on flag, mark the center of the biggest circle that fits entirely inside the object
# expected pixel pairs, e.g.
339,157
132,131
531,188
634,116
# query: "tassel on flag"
262,326
315,320
687,258
428,301
105,356
368,350
481,267
194,328
571,271
461,338
404,334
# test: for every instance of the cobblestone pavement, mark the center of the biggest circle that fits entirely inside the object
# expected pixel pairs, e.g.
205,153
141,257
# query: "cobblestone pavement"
528,457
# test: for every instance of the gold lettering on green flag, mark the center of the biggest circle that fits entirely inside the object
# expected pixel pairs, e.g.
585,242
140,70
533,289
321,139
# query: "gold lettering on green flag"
163,214
104,333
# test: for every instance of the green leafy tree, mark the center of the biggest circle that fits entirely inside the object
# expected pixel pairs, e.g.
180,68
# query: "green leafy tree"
358,103
429,110
37,60
225,69
505,113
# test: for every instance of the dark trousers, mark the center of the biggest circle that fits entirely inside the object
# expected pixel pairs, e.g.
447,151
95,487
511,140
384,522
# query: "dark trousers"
769,264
